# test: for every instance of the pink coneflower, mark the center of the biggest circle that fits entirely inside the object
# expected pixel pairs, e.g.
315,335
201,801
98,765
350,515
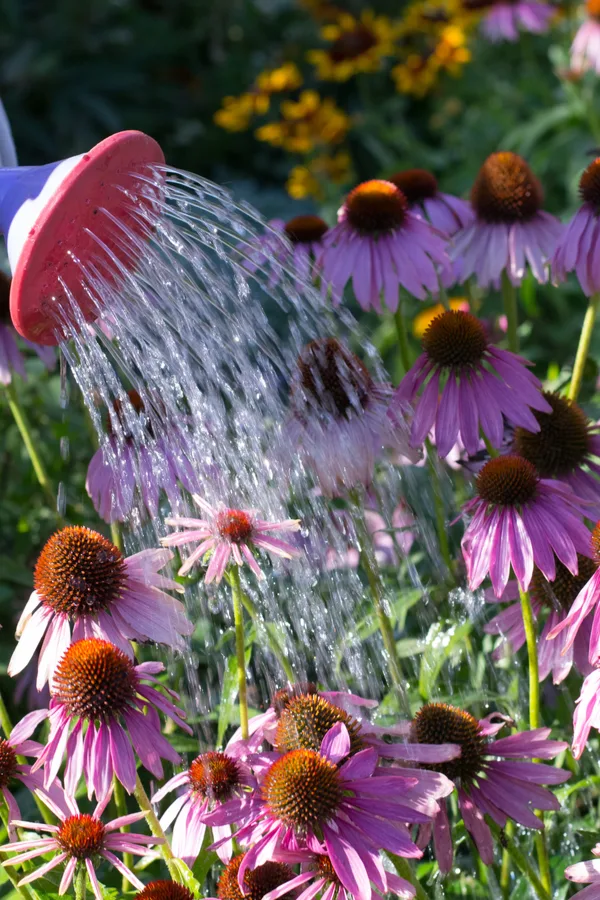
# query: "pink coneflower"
587,872
519,519
340,418
381,246
577,248
587,712
81,839
11,358
229,535
481,386
552,600
161,889
95,687
347,807
506,18
585,49
510,231
446,213
257,882
85,587
576,625
505,788
304,241
214,780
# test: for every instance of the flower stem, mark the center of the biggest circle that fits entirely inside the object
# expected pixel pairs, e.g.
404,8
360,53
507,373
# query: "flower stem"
505,870
22,424
585,339
278,652
405,354
80,883
155,827
535,720
509,297
240,647
115,535
121,804
520,860
438,505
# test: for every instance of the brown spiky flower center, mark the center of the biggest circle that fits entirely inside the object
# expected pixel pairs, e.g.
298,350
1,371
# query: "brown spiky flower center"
235,525
8,763
305,229
416,185
589,185
563,442
303,790
283,697
506,190
507,481
440,723
81,836
164,890
593,9
333,379
375,207
306,721
324,869
455,339
596,544
257,882
560,593
352,44
214,776
79,572
94,680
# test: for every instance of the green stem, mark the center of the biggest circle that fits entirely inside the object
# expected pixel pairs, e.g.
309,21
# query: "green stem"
80,882
535,721
505,870
402,867
155,827
520,860
121,804
278,652
25,432
405,354
509,297
489,446
585,339
240,647
438,506
115,535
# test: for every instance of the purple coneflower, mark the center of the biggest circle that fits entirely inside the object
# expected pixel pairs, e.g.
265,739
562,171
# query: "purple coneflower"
214,780
519,519
577,250
11,358
80,839
576,624
95,686
553,599
446,213
85,587
161,889
510,231
381,246
587,712
585,49
482,385
341,804
340,417
229,534
257,882
505,788
587,872
304,242
507,18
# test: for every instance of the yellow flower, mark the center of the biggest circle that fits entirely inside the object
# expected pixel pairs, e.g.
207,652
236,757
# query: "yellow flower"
302,183
417,75
356,45
423,319
273,81
305,124
307,181
237,112
451,51
427,17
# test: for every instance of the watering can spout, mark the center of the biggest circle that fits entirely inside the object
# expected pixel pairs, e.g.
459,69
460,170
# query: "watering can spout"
51,218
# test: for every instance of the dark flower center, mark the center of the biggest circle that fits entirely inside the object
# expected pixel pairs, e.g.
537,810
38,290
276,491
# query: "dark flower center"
8,763
324,869
303,790
283,697
593,9
257,882
476,5
589,184
416,185
234,525
596,544
352,44
81,836
455,339
79,572
375,207
94,680
507,481
305,229
506,190
560,593
439,723
306,721
335,379
562,443
5,281
164,890
214,776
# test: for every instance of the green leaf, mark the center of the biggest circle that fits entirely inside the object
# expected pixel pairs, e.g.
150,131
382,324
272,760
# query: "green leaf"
440,645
